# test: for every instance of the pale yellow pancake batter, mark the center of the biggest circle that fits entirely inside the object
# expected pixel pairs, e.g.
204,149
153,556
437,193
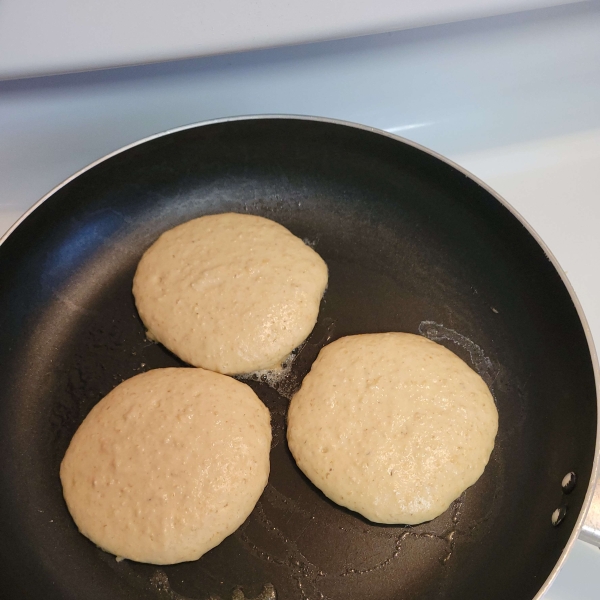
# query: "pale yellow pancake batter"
168,464
392,426
231,293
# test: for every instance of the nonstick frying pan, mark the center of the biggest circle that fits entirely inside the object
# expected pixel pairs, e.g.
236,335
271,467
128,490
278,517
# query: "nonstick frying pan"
413,244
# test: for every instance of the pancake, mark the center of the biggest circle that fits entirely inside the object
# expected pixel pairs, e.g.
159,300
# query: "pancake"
392,426
167,465
231,293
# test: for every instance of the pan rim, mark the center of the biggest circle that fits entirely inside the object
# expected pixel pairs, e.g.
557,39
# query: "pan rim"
580,313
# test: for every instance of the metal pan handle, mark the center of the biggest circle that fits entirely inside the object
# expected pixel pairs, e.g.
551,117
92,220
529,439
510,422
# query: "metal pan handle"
590,532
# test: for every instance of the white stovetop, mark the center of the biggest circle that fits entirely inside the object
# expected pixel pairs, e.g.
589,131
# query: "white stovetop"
39,37
513,99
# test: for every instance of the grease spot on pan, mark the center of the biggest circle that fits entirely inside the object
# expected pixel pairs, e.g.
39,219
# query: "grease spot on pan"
160,581
287,380
308,575
447,537
481,363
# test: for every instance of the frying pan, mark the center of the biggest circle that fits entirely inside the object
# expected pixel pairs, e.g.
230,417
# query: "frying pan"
413,244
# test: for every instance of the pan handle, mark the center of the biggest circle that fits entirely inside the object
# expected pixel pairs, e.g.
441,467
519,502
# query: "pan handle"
590,532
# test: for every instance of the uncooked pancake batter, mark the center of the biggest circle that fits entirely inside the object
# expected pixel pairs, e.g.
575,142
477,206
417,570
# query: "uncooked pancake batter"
168,464
392,426
231,293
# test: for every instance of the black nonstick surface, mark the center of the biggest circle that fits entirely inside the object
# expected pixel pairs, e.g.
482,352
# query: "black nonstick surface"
412,244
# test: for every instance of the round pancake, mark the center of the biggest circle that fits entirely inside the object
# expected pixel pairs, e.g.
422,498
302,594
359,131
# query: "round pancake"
167,465
231,293
392,425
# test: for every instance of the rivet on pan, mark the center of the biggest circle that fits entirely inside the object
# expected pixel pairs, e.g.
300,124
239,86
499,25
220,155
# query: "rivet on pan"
569,482
558,515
